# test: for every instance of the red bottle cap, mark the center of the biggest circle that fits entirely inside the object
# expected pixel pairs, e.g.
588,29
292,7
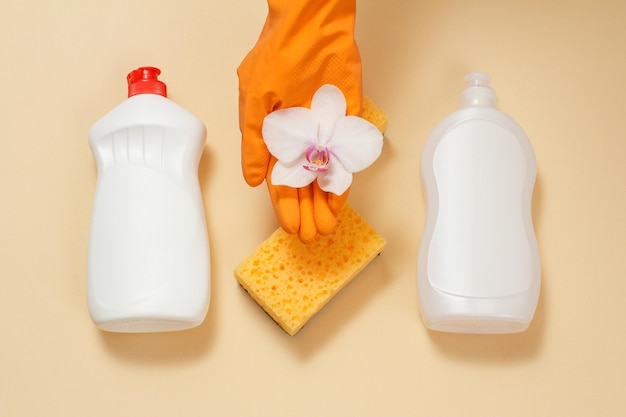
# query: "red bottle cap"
144,80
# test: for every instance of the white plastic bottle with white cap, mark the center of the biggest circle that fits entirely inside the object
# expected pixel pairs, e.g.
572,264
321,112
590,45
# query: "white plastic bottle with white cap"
478,267
148,266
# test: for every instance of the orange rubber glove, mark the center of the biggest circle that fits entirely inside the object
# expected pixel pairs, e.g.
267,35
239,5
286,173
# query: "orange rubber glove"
303,45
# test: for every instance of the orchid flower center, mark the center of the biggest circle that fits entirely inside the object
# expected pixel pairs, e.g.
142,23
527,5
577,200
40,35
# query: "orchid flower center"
318,158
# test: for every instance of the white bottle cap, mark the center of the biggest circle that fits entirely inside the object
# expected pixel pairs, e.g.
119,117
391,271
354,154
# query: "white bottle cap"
478,93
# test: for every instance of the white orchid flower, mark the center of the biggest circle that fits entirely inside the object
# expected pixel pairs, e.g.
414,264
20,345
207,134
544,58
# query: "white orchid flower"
320,143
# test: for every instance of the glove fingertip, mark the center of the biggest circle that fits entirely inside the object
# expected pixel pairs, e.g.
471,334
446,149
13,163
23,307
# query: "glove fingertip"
325,217
308,227
255,162
286,206
336,202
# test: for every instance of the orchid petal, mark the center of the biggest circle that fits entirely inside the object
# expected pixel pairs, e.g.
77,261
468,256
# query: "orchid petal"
288,132
320,143
329,105
356,143
292,174
336,180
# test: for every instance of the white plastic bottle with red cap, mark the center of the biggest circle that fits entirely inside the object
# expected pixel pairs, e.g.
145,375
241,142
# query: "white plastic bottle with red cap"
148,267
478,265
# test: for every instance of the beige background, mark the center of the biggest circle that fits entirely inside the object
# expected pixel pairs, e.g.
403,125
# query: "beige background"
559,68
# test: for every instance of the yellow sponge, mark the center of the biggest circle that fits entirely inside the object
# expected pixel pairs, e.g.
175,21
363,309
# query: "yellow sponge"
373,114
292,281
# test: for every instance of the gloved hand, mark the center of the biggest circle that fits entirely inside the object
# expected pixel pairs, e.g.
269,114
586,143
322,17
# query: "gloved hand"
303,45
